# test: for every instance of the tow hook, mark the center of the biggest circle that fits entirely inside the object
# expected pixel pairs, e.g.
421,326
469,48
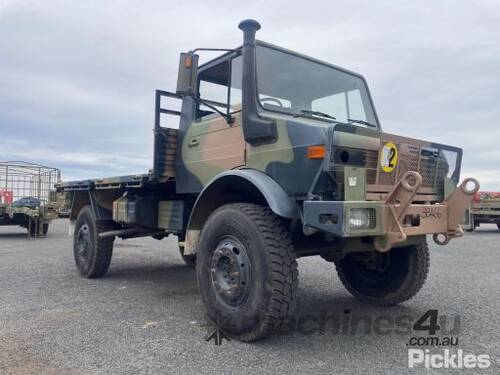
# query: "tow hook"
441,238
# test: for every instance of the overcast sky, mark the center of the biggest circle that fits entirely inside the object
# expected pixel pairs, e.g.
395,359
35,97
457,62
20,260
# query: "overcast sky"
77,79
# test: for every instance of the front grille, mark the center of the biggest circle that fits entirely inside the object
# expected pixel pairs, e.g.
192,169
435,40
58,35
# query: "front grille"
433,169
432,166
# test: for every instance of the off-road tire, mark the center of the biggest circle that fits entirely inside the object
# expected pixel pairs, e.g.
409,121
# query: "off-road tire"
273,272
100,250
404,276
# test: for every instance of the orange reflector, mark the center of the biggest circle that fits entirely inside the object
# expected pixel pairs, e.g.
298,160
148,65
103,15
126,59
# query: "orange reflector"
316,152
188,61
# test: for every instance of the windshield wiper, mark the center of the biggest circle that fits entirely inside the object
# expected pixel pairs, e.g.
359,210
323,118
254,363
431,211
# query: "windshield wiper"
315,113
362,122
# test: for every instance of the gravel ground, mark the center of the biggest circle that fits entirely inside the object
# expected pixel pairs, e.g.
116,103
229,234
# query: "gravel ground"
146,316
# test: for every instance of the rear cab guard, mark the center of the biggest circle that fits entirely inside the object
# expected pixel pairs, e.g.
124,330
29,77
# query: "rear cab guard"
396,218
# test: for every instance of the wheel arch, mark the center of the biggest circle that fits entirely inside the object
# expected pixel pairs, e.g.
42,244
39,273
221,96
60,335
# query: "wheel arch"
241,185
79,200
100,202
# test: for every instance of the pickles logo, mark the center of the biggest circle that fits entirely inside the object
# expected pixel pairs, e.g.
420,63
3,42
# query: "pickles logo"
447,359
389,157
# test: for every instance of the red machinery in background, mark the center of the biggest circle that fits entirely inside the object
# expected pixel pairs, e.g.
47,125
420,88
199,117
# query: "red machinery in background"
6,196
484,209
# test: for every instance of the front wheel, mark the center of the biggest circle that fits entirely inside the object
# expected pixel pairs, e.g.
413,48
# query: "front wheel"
92,254
385,279
246,270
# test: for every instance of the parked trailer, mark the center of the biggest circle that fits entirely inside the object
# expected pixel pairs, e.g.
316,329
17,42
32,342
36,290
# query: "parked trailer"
27,196
277,156
484,209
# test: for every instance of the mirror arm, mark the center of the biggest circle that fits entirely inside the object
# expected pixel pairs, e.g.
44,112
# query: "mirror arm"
215,49
227,116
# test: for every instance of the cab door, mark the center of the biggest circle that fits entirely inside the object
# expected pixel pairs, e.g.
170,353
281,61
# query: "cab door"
212,145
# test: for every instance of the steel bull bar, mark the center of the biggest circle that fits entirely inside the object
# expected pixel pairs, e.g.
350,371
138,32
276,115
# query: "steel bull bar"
392,221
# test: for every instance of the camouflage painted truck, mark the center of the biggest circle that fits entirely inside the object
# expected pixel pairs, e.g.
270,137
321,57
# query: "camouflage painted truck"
485,209
277,156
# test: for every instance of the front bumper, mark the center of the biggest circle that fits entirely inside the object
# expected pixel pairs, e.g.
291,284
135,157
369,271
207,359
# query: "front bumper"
395,219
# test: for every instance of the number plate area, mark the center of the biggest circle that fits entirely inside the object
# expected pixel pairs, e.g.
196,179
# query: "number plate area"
426,219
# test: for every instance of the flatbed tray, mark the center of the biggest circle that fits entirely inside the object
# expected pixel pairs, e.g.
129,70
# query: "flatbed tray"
130,181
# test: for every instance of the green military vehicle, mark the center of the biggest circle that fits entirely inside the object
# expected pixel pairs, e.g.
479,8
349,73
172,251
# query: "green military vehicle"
26,192
277,156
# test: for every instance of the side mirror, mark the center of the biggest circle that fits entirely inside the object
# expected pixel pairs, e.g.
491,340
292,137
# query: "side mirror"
188,72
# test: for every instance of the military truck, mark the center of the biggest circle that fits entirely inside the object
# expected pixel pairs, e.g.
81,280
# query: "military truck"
26,192
277,156
484,209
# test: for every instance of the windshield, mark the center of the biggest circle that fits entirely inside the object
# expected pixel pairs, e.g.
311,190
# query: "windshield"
296,85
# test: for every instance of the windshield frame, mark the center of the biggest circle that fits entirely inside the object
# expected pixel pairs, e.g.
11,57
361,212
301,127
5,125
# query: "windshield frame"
321,62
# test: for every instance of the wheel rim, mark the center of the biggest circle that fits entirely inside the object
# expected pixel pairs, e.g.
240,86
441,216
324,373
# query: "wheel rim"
230,271
375,265
83,244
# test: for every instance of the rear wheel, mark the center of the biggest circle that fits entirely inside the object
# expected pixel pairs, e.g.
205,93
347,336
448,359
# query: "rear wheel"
92,254
246,270
385,278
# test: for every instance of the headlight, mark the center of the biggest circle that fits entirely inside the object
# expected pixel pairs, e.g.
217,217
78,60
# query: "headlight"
362,218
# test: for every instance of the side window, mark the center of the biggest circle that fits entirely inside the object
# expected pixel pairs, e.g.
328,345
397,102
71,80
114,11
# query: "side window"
213,88
235,97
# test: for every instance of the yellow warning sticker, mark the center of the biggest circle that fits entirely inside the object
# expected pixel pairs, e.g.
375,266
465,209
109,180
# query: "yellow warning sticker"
389,157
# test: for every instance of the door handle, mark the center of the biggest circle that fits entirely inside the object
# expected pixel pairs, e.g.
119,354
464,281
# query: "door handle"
193,143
